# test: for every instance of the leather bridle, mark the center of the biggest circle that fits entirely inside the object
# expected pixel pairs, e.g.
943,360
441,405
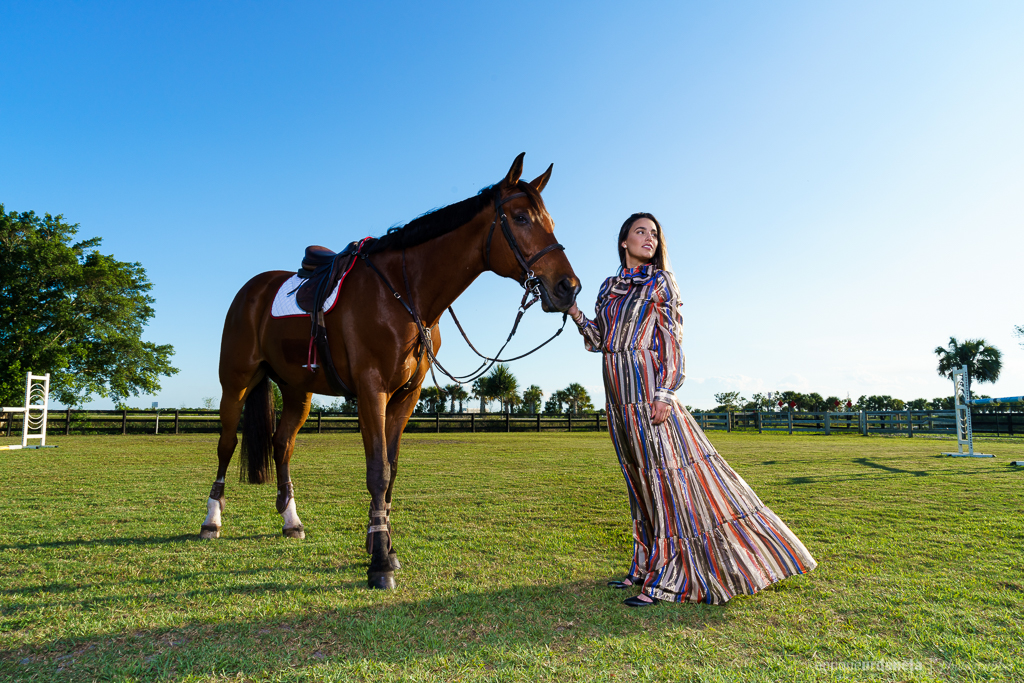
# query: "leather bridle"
529,282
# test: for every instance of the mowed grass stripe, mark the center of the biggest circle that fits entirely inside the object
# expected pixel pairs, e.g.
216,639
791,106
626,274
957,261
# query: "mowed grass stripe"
507,542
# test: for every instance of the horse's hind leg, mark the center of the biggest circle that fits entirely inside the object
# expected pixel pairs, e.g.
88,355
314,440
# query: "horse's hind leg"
293,416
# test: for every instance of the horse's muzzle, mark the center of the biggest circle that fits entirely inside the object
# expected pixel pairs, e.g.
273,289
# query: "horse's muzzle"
561,296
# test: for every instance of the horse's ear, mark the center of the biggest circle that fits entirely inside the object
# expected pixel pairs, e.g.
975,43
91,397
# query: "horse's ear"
542,180
516,171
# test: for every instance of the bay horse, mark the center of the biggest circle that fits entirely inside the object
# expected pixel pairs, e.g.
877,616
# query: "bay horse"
376,346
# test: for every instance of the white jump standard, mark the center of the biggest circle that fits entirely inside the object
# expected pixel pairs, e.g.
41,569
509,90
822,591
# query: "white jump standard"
37,408
963,403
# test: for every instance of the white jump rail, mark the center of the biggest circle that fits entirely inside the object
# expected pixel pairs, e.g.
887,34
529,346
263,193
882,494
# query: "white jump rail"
963,403
36,410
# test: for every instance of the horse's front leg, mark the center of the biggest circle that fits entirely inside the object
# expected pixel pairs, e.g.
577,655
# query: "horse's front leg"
378,478
399,409
293,416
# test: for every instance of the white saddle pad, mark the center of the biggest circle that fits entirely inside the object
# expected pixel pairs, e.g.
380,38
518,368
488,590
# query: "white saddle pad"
284,302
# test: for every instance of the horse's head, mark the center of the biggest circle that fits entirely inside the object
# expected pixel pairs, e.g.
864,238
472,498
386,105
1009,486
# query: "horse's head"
521,244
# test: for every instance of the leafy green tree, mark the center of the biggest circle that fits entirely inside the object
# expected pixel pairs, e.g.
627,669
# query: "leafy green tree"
760,402
532,398
885,402
919,404
69,310
278,397
814,403
983,361
833,404
729,400
792,400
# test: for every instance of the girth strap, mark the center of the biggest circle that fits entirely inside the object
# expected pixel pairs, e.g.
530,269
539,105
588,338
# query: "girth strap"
318,334
323,349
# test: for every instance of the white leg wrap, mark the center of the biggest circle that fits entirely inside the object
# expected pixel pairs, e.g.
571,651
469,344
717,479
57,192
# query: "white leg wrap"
212,512
290,516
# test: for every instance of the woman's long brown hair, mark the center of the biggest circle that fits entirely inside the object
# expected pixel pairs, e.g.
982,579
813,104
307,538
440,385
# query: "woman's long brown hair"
658,259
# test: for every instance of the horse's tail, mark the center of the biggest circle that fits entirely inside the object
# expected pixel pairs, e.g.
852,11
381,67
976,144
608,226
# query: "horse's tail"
258,420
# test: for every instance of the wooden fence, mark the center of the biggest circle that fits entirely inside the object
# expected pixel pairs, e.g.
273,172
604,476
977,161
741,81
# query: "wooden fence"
904,422
866,422
208,421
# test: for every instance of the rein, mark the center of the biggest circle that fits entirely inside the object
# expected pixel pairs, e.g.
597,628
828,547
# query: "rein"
530,284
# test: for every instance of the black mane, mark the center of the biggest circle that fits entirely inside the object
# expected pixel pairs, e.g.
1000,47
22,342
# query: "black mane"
434,223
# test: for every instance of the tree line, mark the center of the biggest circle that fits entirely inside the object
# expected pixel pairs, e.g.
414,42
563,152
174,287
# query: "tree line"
814,403
501,386
984,363
497,391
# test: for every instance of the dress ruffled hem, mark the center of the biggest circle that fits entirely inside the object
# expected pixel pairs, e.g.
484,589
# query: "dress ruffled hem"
740,557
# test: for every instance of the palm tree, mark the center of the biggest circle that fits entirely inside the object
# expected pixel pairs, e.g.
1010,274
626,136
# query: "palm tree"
532,397
504,386
482,390
578,399
433,398
983,361
555,401
455,393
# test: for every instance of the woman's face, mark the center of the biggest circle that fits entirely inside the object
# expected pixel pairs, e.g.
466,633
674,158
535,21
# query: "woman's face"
641,242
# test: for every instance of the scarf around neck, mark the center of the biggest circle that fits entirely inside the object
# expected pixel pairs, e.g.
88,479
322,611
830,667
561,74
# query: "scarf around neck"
630,277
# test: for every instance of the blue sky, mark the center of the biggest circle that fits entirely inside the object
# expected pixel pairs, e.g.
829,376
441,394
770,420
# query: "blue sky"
840,183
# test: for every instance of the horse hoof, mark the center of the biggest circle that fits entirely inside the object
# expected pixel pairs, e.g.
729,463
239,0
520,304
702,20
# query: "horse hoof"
393,559
382,581
208,532
294,532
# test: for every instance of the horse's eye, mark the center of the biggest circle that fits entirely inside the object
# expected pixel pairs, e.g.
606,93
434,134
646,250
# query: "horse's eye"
521,218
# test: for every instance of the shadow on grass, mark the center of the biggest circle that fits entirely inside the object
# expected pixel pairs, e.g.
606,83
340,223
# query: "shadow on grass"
137,540
461,625
182,578
886,472
894,470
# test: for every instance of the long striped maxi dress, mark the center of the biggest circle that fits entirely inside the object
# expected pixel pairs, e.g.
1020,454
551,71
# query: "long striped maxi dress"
700,533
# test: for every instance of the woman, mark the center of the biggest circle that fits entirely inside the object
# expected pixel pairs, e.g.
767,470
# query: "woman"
700,533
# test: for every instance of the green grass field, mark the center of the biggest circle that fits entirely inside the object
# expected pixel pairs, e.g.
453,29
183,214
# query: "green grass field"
507,542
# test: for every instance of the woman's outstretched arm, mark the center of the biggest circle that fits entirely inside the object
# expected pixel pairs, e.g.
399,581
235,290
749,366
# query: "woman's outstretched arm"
592,337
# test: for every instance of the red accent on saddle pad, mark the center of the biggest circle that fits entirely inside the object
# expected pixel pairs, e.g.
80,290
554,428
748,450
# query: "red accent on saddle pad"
347,271
337,286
